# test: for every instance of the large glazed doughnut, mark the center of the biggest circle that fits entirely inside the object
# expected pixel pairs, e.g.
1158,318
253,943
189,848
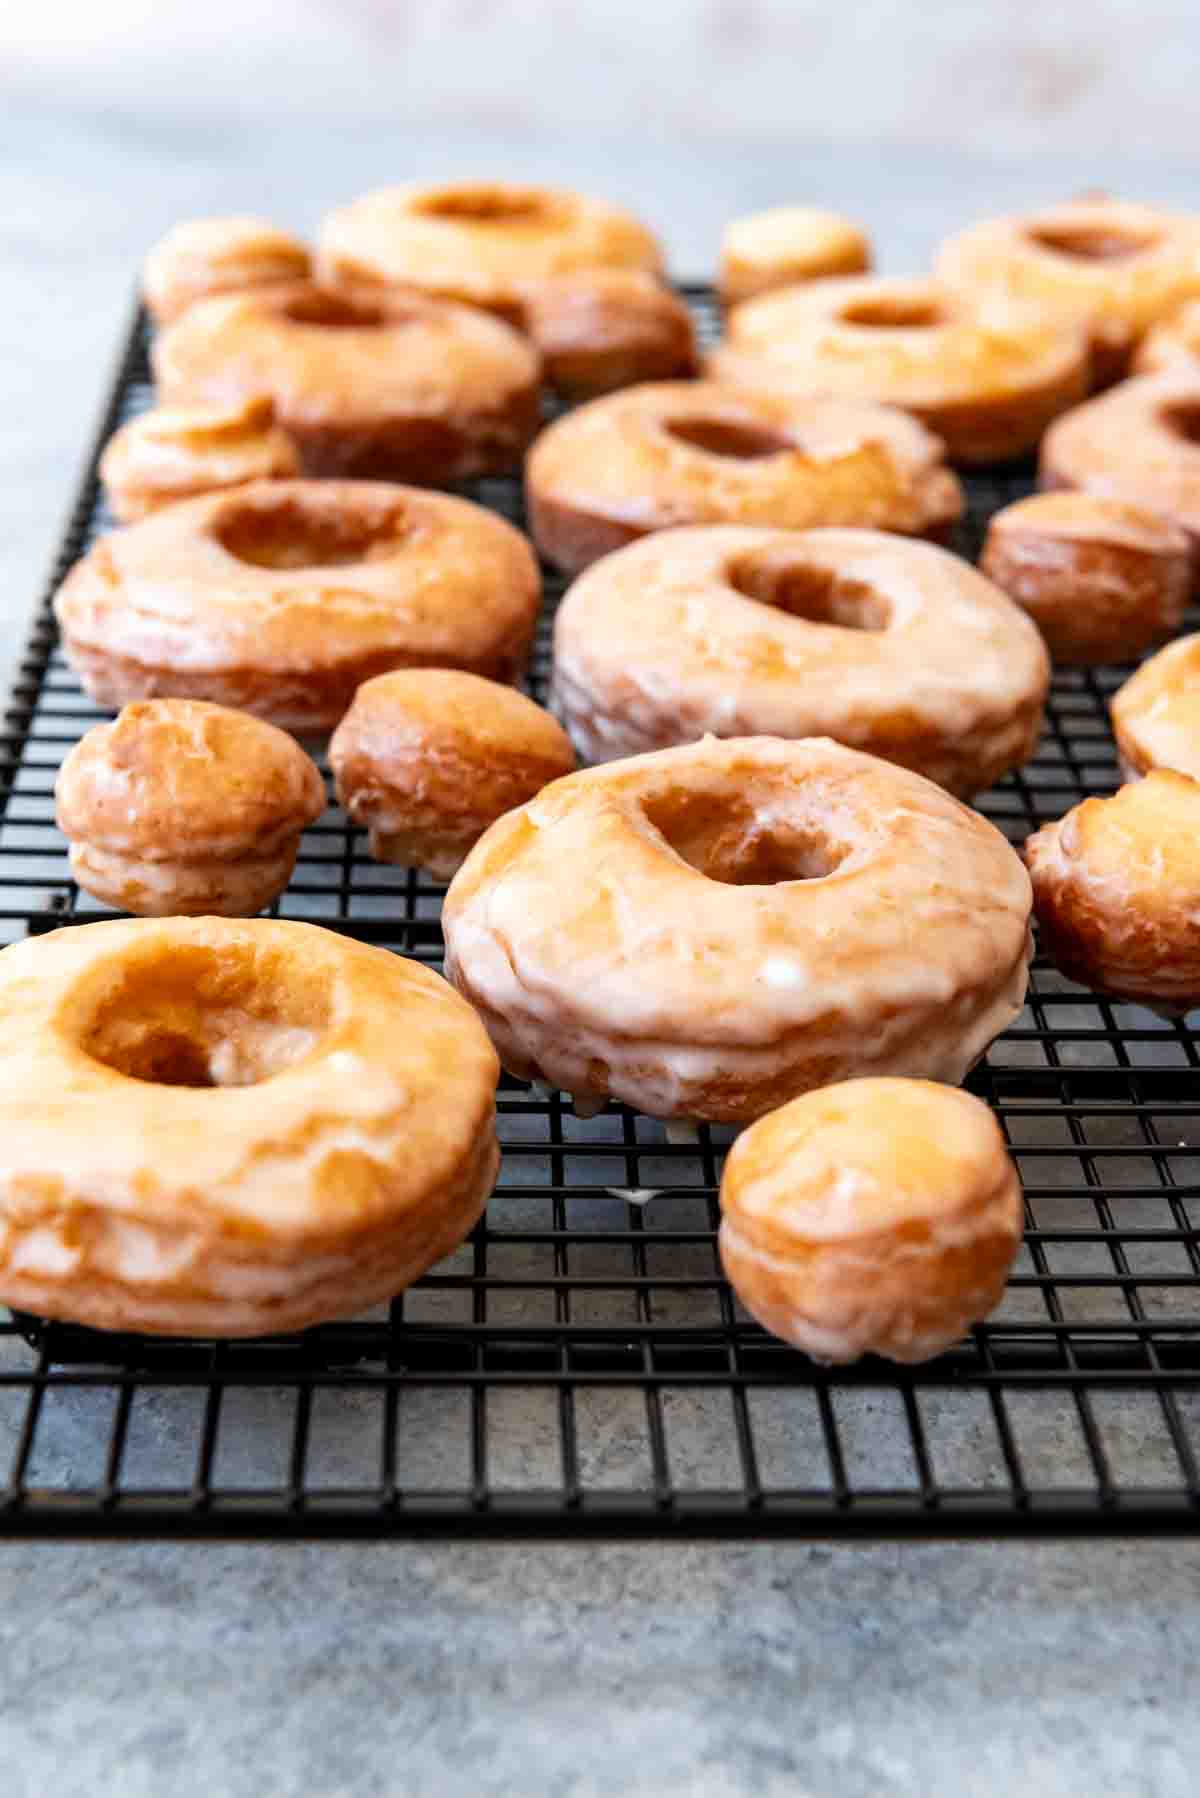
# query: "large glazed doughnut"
708,931
183,808
1111,266
222,1128
1139,443
987,379
873,1217
1102,580
1116,884
397,387
695,452
786,245
603,328
895,647
282,597
1156,714
482,242
203,257
172,453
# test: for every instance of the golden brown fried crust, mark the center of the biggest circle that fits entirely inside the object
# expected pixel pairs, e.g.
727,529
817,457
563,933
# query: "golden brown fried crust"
1156,714
174,453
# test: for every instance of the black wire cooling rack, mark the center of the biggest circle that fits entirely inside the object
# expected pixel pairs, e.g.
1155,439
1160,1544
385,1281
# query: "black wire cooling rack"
579,1366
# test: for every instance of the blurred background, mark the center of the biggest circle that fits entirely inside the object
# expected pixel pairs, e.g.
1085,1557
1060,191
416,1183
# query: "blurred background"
116,120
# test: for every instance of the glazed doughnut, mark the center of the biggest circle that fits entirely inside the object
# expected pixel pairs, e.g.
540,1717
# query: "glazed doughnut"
747,920
874,1217
212,1127
893,647
1172,344
282,597
483,242
600,329
1139,443
694,452
169,453
986,379
1102,581
786,245
427,758
203,257
1117,889
1111,266
182,808
1156,714
399,387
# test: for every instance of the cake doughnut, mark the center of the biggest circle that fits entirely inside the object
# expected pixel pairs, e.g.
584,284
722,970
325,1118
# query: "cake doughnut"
282,597
183,808
1112,266
482,242
1156,714
603,328
203,257
1103,581
219,1127
750,919
1172,344
786,245
427,758
1139,443
987,379
1116,887
170,453
398,386
887,645
694,452
873,1217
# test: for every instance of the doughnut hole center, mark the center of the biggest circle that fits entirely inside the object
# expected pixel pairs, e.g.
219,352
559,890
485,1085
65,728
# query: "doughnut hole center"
894,312
807,591
1093,243
727,839
484,205
736,439
332,311
1183,420
283,531
205,1018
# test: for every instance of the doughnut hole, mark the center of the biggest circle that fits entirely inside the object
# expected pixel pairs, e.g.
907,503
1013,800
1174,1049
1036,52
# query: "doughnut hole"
1183,420
480,203
204,1018
1094,242
333,311
725,838
894,312
286,530
808,591
739,440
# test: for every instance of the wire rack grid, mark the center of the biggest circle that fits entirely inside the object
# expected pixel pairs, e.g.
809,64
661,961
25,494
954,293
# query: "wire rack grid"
579,1365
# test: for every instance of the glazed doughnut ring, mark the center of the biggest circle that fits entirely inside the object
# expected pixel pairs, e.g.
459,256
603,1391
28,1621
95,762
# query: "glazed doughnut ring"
750,919
889,646
483,242
695,452
203,257
1139,443
169,454
986,379
396,387
1111,266
222,1128
282,597
1156,714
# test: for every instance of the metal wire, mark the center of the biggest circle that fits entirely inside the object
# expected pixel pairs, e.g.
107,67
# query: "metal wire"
580,1366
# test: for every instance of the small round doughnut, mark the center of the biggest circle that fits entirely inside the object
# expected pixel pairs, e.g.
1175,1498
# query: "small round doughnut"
203,257
1156,714
875,1217
604,328
219,1127
172,453
695,452
1116,887
986,379
427,758
1103,581
1111,266
890,646
1139,443
399,386
282,597
479,241
181,808
748,919
1172,344
786,245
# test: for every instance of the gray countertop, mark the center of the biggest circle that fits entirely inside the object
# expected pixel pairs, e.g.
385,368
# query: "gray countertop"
977,1670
